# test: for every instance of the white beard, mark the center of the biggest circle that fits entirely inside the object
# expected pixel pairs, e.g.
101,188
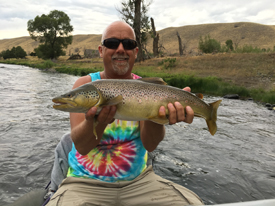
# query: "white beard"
121,68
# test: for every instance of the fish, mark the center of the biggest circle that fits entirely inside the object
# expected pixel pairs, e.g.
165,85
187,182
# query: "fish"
136,100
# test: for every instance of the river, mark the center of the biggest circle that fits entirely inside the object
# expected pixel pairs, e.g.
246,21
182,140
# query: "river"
237,164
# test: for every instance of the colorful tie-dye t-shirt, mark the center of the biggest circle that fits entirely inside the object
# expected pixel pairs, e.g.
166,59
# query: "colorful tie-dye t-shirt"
119,156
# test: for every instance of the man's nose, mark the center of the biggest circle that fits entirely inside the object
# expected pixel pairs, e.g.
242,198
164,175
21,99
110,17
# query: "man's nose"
120,48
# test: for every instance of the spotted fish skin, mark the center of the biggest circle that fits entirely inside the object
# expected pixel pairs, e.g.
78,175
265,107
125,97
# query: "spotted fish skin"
137,100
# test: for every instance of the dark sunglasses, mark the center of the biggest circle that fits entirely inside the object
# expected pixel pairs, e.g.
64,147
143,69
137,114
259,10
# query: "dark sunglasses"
113,43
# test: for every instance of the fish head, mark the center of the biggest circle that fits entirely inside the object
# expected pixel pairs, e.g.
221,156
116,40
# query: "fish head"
79,100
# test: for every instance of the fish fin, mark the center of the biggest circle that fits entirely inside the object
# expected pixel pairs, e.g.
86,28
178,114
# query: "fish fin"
116,100
153,80
159,120
199,95
94,127
211,122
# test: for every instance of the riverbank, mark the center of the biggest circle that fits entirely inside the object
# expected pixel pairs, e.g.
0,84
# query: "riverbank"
248,75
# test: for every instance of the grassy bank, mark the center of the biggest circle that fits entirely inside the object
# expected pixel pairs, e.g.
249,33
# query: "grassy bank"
249,75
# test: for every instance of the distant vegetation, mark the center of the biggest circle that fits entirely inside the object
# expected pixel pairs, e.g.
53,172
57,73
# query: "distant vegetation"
210,45
15,52
248,75
207,65
53,33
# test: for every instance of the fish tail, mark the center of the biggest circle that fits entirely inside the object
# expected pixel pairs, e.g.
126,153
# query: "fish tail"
211,122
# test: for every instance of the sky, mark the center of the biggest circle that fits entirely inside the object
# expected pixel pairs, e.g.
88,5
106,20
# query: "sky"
93,16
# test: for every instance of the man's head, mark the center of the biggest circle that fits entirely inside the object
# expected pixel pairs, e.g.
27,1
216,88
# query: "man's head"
118,56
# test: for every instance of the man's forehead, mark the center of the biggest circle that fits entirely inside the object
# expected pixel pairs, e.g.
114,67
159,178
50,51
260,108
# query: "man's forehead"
121,31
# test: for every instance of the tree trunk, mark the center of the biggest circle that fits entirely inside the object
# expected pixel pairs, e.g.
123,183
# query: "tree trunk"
155,40
180,44
137,29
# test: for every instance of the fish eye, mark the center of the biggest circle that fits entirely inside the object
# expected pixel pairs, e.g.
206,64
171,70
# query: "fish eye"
69,95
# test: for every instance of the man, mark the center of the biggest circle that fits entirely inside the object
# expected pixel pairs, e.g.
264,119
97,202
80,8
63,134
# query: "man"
110,169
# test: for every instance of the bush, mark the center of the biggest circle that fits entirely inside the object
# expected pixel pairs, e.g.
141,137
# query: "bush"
229,44
249,49
209,45
168,63
15,52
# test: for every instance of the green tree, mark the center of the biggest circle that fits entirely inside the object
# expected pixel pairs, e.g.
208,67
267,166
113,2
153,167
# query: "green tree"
134,12
18,52
15,52
209,45
53,32
229,44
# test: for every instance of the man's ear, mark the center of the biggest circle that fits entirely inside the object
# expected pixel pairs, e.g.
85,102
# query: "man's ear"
100,50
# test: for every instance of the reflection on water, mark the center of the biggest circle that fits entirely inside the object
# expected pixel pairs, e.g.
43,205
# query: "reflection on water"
237,164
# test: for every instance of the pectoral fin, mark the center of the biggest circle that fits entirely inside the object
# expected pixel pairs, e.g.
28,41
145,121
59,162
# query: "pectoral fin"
116,100
94,127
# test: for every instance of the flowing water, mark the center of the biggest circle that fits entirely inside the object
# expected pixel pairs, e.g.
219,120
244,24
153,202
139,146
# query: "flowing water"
237,164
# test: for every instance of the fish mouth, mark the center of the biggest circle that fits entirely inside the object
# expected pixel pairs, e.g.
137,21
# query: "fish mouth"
63,103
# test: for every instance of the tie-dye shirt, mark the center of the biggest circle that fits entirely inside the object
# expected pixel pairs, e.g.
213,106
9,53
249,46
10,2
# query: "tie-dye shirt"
119,156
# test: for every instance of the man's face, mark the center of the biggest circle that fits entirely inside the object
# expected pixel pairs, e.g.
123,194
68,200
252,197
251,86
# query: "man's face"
118,61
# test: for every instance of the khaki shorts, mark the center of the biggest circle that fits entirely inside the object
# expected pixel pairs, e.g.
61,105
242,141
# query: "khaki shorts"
147,189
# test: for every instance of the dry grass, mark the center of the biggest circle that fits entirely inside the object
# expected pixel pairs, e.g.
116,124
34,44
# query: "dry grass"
247,70
250,75
241,33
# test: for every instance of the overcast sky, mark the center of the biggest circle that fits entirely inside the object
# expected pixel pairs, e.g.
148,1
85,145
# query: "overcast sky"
91,17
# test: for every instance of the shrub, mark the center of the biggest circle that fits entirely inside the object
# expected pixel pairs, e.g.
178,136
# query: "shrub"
229,44
168,63
209,45
249,49
15,52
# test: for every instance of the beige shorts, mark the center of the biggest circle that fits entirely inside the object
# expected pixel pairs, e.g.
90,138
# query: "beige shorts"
147,189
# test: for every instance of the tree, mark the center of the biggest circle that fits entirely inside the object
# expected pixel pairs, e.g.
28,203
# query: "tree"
155,37
134,12
15,52
209,45
180,44
229,44
53,32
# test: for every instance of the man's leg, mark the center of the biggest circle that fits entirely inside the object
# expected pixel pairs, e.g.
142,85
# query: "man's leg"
155,190
61,166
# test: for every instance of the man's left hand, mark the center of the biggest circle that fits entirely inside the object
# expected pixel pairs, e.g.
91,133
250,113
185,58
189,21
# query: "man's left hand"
177,113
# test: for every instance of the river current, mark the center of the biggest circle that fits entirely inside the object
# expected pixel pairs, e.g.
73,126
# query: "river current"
236,164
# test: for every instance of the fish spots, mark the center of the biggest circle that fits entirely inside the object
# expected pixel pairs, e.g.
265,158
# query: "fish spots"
140,93
90,94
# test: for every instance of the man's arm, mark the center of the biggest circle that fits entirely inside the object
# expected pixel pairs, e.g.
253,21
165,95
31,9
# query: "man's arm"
152,133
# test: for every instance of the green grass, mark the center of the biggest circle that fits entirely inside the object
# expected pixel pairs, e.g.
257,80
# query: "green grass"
77,71
213,86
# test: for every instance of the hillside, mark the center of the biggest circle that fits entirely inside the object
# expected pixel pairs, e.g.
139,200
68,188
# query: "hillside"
240,33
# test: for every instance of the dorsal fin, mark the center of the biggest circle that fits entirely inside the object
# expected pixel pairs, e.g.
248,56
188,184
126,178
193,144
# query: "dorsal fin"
154,80
199,95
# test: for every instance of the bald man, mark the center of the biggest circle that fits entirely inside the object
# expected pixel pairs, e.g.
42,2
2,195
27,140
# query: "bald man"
111,169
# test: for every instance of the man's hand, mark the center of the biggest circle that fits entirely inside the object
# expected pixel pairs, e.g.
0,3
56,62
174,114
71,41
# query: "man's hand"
177,113
105,116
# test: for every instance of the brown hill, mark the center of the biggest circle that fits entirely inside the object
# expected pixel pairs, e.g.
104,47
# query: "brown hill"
240,33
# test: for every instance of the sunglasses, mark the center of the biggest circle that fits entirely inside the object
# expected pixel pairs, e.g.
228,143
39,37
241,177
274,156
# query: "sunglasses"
113,43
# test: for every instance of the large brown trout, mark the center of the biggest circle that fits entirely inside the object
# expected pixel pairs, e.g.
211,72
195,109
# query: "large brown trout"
136,100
